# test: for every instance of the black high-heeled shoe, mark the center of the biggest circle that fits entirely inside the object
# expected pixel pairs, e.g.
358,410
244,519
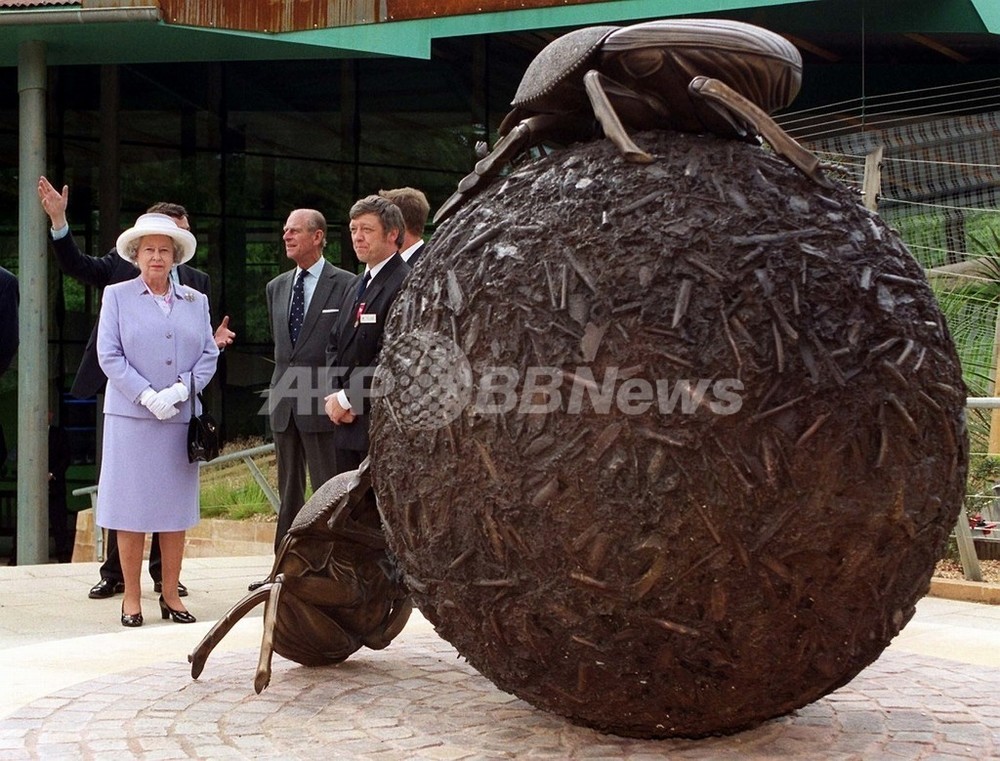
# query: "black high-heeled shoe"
179,616
131,619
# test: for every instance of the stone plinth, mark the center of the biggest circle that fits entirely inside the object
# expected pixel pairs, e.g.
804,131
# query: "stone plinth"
212,537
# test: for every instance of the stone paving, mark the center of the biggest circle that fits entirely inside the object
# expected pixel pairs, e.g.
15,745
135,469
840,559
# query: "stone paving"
75,685
418,700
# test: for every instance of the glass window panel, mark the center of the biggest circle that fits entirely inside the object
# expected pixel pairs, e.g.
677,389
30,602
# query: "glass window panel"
151,173
288,108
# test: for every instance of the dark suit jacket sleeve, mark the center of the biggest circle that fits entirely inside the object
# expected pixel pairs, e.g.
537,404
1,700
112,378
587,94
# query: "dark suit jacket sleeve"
360,345
196,279
97,271
385,304
415,256
8,318
334,365
302,365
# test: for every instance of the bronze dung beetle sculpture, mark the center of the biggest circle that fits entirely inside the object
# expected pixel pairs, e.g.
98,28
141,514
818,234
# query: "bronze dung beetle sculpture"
332,589
688,75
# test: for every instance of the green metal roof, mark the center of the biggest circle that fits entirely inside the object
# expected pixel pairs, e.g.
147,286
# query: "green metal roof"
78,36
989,12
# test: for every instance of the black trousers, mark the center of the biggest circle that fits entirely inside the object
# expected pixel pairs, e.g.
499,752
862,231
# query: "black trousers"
295,452
111,568
349,459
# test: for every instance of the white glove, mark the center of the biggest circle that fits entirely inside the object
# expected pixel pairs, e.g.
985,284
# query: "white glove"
151,401
168,413
174,394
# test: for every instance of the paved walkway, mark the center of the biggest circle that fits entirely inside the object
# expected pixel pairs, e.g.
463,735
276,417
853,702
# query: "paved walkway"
75,685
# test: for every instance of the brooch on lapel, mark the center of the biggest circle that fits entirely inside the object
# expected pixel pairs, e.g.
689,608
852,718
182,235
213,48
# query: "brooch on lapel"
188,296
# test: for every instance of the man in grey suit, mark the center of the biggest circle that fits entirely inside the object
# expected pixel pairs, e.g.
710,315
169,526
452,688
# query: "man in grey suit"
303,305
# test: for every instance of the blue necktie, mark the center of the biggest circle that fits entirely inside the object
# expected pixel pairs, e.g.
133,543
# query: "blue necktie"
362,287
358,295
297,312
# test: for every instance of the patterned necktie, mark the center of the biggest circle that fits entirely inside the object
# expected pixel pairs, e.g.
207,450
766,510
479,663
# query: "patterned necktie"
362,287
297,312
359,307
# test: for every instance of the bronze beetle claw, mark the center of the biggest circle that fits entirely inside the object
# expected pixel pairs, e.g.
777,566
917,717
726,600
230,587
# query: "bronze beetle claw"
689,75
333,587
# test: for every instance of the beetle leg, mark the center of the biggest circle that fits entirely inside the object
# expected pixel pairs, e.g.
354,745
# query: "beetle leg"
521,137
392,625
596,85
200,654
263,675
729,103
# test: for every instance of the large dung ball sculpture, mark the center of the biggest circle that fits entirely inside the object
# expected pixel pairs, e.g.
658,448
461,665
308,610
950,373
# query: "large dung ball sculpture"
668,449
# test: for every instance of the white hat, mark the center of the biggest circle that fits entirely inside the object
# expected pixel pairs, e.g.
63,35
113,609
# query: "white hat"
157,224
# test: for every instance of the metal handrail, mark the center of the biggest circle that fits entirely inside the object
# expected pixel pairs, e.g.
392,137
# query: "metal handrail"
983,402
246,455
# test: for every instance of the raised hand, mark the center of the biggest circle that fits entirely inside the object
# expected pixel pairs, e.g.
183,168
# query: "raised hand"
223,335
53,202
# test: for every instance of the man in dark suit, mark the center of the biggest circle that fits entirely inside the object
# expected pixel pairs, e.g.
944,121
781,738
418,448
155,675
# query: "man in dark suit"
302,304
99,271
355,344
9,299
415,208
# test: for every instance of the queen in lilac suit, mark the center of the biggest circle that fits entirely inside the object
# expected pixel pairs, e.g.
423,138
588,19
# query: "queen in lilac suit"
154,343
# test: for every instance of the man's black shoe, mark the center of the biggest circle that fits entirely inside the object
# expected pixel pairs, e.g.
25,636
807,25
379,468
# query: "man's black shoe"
106,588
182,591
256,584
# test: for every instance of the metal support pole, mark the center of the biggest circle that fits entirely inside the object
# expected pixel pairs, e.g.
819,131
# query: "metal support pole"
967,549
994,440
33,360
963,535
871,188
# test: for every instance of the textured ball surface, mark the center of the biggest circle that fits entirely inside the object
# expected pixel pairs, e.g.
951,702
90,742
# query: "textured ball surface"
706,449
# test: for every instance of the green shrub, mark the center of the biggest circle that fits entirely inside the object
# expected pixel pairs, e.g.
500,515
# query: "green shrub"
221,500
230,491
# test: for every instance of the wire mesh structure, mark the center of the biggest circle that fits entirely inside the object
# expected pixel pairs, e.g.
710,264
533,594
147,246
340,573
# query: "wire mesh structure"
940,168
940,188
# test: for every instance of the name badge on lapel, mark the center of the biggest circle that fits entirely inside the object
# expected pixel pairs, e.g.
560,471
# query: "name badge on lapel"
368,319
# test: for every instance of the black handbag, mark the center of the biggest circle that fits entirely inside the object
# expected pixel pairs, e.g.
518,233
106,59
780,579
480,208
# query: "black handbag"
203,433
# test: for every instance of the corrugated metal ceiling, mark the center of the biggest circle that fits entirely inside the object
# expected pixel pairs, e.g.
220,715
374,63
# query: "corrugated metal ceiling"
99,31
289,15
35,3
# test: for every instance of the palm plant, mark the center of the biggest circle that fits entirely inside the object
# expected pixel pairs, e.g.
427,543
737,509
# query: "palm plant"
971,307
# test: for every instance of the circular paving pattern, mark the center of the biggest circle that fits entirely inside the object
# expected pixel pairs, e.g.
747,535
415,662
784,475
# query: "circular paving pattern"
418,700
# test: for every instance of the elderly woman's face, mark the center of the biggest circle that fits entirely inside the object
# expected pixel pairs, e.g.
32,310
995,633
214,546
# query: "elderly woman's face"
155,256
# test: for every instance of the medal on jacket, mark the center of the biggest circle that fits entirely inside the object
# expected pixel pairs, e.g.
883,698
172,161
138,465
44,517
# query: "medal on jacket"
361,311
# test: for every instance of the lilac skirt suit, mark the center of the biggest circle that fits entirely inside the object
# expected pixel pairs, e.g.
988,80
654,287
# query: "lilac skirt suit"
146,482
